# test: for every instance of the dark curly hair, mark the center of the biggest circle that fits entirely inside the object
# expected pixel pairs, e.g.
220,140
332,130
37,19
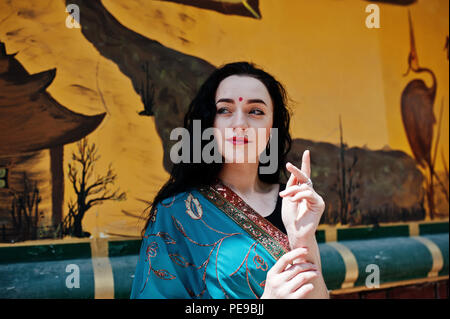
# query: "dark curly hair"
185,176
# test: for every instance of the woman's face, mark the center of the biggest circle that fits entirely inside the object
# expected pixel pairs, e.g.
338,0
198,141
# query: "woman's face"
243,120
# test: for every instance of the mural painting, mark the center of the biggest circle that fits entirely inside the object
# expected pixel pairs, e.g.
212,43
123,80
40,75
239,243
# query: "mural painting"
362,186
90,91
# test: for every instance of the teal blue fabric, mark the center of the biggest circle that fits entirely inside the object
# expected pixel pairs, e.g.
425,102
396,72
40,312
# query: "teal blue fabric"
191,249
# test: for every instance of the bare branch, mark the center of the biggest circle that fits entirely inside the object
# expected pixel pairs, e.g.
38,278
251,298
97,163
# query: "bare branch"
90,190
102,181
73,178
104,197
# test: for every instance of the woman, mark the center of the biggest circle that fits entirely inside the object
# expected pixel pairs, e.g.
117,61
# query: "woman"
227,229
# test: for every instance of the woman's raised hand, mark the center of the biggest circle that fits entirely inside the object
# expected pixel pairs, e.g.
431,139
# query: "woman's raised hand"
302,207
290,277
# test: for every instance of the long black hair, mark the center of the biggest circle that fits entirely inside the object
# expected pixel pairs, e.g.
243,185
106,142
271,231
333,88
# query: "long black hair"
185,176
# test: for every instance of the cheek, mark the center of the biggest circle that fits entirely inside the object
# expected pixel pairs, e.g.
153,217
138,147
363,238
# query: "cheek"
217,126
263,138
220,123
219,137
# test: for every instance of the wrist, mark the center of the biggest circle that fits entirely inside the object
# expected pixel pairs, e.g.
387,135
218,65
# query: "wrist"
310,243
302,241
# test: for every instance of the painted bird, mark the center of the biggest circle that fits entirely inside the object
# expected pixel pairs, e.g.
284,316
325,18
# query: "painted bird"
417,103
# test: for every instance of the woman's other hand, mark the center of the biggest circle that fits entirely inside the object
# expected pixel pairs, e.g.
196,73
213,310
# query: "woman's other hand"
290,277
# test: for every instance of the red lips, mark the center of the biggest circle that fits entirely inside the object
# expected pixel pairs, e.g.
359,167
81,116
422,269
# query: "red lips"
238,140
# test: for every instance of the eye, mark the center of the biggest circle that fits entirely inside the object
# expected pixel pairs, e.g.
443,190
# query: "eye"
257,112
222,110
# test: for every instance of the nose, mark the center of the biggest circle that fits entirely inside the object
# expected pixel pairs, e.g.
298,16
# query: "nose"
240,124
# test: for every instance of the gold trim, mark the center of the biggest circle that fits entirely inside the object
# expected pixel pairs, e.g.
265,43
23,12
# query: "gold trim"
40,242
103,275
414,229
330,234
421,222
258,228
68,240
436,254
326,228
387,285
351,265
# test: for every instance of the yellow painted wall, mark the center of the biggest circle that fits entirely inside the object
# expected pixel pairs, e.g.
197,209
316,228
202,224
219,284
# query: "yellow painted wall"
330,63
431,25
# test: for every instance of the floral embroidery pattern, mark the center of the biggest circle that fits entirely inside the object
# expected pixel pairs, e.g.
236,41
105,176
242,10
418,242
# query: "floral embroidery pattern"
193,207
151,252
181,261
163,274
264,233
248,274
170,204
260,263
270,237
178,259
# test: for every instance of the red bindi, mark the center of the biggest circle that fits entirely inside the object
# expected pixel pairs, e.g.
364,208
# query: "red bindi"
240,99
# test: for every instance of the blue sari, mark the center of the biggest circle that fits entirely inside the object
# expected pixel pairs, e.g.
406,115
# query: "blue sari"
206,243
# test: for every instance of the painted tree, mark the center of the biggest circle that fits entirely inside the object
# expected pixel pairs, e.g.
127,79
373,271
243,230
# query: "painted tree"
25,210
346,183
89,193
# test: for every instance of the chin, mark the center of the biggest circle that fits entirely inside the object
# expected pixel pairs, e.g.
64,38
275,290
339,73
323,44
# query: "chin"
239,159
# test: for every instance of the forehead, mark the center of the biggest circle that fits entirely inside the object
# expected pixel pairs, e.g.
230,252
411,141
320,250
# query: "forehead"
236,86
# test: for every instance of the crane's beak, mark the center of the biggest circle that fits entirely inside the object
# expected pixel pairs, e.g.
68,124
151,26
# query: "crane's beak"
413,59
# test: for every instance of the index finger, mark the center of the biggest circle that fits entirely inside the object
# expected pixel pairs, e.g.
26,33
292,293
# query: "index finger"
306,163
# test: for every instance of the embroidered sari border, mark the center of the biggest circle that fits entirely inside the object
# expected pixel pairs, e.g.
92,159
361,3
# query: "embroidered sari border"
261,230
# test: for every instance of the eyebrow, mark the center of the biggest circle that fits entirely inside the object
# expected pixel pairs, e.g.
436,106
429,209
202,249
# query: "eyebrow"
251,101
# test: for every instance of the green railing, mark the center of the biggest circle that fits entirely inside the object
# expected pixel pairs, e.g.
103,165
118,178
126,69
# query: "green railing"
398,254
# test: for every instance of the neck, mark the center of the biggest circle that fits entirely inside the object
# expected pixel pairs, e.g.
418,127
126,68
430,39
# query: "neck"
242,177
433,77
426,70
